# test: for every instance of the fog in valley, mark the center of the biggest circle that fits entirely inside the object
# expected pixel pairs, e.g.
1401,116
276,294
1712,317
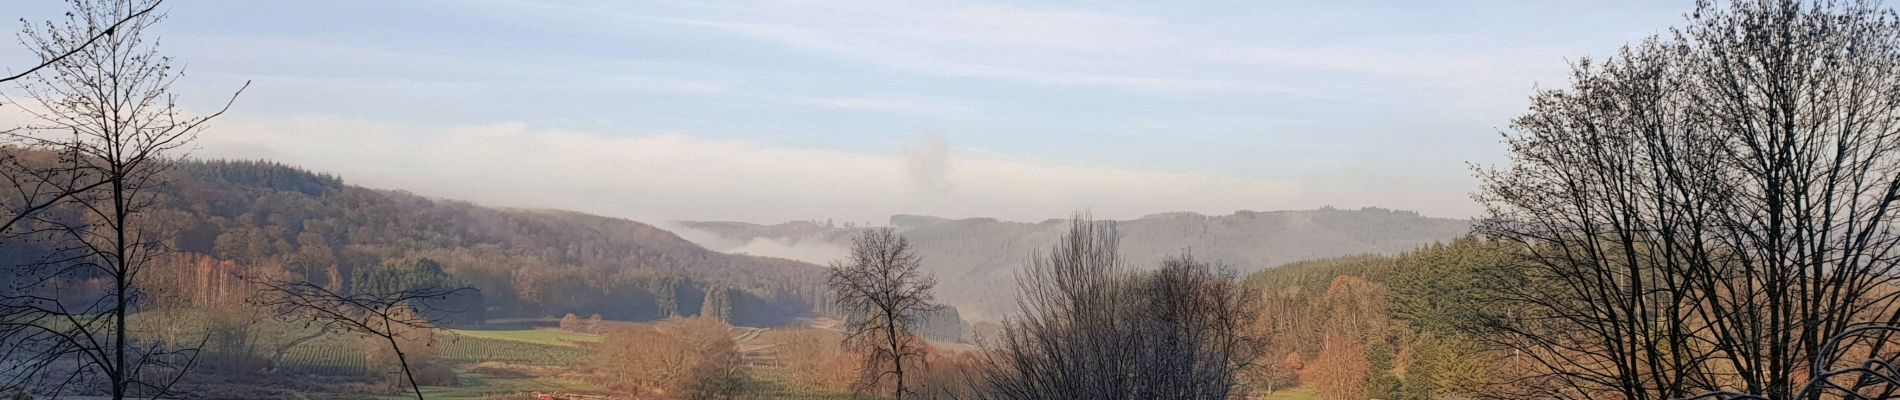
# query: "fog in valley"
839,199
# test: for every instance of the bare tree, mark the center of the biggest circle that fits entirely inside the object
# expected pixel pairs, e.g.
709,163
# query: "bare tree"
883,294
1594,304
1071,339
35,187
1703,211
1875,377
393,316
56,56
1091,329
104,128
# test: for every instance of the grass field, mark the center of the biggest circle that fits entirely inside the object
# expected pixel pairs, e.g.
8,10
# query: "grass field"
475,387
546,336
461,347
1294,394
518,347
474,349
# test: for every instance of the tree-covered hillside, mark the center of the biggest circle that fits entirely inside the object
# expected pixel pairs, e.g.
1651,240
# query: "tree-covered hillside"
526,263
1382,327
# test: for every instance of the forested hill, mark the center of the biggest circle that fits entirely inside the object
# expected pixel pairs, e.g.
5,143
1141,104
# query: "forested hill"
527,263
1381,327
976,259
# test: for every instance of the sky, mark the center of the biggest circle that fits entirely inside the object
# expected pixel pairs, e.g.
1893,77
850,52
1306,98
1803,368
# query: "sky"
784,110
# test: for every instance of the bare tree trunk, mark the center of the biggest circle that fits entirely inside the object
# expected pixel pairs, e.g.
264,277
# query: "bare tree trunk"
403,360
897,363
124,284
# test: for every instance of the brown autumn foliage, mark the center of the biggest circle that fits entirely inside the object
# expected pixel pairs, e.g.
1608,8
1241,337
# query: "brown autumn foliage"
1357,316
818,361
950,374
640,359
1340,371
419,348
692,357
180,284
571,323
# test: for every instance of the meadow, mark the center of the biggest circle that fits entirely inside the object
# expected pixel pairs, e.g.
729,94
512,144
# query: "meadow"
501,361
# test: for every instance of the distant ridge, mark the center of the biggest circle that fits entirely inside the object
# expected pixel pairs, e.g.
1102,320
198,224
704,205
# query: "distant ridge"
976,259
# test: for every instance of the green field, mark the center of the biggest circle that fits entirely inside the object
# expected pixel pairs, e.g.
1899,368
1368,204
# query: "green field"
1294,394
342,354
475,387
474,349
545,356
546,336
463,347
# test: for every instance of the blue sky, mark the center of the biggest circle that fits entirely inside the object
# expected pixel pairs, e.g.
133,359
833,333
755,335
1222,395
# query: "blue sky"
813,109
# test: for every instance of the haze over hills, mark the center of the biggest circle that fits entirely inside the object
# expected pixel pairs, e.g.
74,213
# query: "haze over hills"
526,263
532,263
976,259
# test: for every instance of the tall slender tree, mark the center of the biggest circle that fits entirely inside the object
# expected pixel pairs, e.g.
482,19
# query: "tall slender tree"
883,294
107,124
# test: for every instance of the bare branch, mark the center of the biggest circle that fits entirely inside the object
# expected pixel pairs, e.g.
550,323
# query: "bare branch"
388,315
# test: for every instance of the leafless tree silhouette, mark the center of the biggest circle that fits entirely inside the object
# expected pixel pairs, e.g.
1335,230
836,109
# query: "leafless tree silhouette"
36,188
1091,329
883,293
393,316
1876,377
1703,211
104,126
56,56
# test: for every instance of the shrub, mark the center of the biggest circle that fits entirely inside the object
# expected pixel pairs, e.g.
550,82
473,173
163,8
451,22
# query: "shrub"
429,373
571,323
695,357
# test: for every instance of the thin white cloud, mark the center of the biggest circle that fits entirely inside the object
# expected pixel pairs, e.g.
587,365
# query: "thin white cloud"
1471,75
1060,78
1039,46
1068,47
383,66
926,108
676,176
